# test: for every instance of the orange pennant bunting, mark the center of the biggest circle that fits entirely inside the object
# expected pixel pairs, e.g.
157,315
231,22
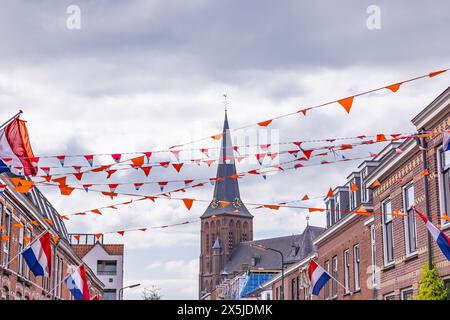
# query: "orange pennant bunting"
188,203
425,173
346,103
65,190
305,197
354,187
433,74
330,192
316,210
394,87
217,136
96,211
271,206
264,123
376,183
139,161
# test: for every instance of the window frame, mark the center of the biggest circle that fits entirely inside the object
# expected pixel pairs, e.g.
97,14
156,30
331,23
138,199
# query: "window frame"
357,267
335,271
347,271
406,222
104,264
7,232
444,189
384,231
327,285
404,290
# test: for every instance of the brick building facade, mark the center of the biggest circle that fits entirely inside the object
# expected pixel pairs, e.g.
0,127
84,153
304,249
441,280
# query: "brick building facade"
417,176
22,218
380,255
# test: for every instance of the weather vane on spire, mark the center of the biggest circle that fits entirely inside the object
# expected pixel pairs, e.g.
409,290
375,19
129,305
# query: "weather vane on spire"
225,101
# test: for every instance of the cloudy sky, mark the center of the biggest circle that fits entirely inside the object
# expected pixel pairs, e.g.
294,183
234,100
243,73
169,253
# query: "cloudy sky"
144,75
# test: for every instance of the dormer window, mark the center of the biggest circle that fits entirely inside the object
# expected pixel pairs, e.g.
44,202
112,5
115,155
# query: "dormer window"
337,209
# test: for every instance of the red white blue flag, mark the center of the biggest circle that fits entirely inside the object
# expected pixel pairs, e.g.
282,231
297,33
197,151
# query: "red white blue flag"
15,150
317,276
440,237
39,256
77,284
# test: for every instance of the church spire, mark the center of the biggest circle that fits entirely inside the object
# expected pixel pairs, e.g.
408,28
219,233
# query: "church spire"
228,188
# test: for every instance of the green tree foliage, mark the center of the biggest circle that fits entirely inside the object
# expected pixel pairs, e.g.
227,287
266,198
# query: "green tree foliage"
431,286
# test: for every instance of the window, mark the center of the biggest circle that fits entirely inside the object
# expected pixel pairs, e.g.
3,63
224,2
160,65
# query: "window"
305,293
20,269
230,240
389,296
207,243
347,271
410,220
335,276
26,269
388,236
329,213
109,294
353,196
293,291
407,294
444,162
373,247
7,232
327,285
447,285
297,289
107,267
356,266
277,293
337,209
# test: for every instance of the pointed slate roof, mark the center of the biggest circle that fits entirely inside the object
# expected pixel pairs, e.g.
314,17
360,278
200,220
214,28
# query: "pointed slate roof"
228,188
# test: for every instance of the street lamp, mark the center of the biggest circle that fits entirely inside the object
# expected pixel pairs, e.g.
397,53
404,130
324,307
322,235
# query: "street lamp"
264,248
127,287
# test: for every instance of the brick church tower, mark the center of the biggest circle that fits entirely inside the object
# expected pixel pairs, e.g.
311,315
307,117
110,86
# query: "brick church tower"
225,223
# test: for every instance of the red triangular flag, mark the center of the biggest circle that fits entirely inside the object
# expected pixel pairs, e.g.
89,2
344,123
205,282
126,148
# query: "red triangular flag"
146,170
177,166
116,157
188,203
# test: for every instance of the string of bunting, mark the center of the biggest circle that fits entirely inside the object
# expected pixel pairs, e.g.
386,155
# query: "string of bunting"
260,157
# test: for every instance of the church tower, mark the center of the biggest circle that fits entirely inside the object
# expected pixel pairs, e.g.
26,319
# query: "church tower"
225,223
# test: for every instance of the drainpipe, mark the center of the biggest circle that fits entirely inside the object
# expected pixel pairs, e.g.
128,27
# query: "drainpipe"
423,144
55,276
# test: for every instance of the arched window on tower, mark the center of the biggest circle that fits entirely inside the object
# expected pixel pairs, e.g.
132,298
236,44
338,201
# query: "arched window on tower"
206,233
245,233
213,232
238,232
230,236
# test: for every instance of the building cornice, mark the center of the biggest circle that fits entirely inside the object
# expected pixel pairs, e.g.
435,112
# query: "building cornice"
432,110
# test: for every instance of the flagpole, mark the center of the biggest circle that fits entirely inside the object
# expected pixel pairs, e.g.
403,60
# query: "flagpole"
26,247
11,119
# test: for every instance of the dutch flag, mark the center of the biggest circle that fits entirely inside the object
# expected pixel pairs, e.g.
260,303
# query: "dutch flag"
77,284
39,255
15,149
440,237
317,276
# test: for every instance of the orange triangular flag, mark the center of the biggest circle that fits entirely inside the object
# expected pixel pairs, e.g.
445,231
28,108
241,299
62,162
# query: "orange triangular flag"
5,238
22,186
305,197
303,111
346,103
27,239
61,181
77,237
188,203
98,235
316,210
354,187
376,183
433,74
55,239
139,161
264,123
65,190
121,232
217,136
330,192
34,223
96,211
425,173
363,211
18,225
49,221
394,87
177,166
271,206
